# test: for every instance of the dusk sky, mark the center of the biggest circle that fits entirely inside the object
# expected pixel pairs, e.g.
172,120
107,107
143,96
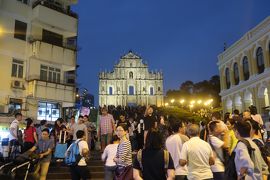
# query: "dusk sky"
181,37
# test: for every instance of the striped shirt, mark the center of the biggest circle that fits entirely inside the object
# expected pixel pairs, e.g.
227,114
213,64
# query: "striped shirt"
106,124
124,153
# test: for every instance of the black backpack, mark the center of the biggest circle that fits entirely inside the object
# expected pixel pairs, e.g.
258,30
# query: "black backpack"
230,169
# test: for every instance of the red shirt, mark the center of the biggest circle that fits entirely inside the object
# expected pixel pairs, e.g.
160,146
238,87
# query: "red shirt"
29,134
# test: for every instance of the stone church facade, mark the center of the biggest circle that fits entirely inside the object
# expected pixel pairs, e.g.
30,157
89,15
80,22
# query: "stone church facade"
131,84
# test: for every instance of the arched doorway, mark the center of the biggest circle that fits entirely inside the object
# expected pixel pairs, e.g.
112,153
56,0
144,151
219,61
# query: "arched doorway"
248,99
238,103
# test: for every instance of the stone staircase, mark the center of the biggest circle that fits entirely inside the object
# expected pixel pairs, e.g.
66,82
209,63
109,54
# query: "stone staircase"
59,171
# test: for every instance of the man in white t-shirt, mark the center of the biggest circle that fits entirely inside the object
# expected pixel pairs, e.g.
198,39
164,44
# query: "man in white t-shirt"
174,144
15,138
219,147
81,171
197,155
14,127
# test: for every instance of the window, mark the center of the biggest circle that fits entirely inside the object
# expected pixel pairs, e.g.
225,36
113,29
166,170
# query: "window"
131,90
17,68
48,111
54,75
20,30
52,38
130,75
245,68
43,72
102,89
260,61
236,73
50,74
70,77
110,91
227,77
159,88
144,89
15,105
151,91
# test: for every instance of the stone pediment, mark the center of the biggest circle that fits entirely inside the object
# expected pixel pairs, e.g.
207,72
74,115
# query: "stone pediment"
130,55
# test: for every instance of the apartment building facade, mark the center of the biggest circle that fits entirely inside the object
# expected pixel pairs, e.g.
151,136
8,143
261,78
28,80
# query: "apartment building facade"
38,57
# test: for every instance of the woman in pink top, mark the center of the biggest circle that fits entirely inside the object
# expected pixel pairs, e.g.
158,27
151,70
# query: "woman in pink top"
30,135
255,116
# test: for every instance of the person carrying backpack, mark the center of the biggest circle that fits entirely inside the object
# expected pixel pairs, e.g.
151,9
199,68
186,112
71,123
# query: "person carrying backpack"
257,139
249,163
153,162
76,156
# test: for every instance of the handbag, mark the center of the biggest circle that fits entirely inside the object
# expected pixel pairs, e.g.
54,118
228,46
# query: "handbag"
124,173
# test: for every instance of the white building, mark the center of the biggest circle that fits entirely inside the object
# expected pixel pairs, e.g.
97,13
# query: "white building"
37,57
130,83
245,71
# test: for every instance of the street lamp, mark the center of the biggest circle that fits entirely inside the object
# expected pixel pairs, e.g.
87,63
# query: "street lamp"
190,107
182,101
192,102
166,104
1,31
172,101
199,101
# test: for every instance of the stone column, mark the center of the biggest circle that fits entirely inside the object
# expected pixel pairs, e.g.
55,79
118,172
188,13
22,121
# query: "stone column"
252,62
221,79
266,58
247,102
224,106
261,105
242,101
255,98
240,69
268,91
232,77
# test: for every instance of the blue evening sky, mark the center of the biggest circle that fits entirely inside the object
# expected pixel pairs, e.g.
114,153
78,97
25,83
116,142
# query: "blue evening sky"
181,37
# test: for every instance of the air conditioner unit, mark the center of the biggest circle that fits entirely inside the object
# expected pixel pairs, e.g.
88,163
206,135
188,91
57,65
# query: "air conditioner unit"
17,84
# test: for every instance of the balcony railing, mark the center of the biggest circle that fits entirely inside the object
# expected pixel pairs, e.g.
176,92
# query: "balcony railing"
37,78
55,6
64,45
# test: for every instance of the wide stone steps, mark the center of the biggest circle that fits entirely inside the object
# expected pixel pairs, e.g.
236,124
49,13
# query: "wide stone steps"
58,171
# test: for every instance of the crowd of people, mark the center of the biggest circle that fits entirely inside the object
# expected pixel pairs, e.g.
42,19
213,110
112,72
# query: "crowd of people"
50,141
232,147
139,143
